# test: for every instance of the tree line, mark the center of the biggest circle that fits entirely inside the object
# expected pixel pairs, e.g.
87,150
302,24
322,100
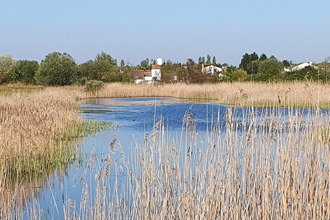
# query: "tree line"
61,69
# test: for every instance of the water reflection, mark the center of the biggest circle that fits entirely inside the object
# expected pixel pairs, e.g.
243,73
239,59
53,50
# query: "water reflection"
134,120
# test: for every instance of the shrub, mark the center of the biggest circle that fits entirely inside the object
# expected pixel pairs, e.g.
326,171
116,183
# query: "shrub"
93,86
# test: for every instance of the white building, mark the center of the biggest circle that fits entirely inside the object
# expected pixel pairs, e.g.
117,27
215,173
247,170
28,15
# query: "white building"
300,67
211,69
149,75
156,72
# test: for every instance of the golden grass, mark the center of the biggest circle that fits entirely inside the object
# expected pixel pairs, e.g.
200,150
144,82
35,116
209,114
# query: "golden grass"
274,171
305,94
30,122
257,168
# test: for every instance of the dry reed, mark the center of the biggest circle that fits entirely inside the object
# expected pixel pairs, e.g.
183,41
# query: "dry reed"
305,94
252,167
30,123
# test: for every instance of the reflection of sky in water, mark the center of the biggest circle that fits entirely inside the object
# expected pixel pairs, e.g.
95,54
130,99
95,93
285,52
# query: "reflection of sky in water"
133,123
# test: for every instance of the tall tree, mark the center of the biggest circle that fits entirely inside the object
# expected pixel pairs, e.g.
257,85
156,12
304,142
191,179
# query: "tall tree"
25,71
200,61
208,59
57,69
286,63
144,64
214,61
269,69
246,62
7,63
87,71
122,63
105,66
203,60
263,57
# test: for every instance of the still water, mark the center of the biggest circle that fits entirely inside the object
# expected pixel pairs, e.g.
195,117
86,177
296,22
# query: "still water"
133,120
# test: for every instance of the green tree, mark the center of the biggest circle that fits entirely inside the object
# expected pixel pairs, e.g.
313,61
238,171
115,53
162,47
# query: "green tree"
246,60
214,61
286,63
307,73
200,60
169,70
25,71
194,73
57,69
234,74
105,68
86,70
253,67
7,64
270,69
122,63
263,57
208,59
144,64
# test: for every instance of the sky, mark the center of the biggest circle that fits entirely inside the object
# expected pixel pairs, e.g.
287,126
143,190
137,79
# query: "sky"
296,30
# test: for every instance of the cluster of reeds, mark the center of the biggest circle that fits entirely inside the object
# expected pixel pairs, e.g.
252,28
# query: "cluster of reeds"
255,166
259,165
240,93
31,124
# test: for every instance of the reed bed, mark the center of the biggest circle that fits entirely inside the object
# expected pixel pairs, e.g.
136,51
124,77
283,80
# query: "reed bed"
255,166
305,94
252,167
31,124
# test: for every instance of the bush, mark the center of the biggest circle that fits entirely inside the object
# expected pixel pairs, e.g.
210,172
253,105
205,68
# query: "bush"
93,86
57,69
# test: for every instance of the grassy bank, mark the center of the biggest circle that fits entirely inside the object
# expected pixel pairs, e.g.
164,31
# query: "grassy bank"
37,130
303,94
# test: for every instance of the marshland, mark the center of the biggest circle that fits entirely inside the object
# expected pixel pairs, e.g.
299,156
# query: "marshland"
228,150
178,110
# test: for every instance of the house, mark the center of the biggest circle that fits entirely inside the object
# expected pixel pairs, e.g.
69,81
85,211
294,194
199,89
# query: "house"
211,69
149,76
300,67
155,72
139,76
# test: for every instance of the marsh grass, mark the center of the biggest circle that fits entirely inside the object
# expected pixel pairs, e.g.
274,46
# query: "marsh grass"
37,133
299,94
10,89
256,166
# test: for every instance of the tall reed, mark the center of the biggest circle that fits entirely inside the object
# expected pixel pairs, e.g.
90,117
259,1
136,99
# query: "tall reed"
240,93
255,166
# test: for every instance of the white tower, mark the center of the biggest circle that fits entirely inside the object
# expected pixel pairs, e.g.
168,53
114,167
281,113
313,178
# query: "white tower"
159,61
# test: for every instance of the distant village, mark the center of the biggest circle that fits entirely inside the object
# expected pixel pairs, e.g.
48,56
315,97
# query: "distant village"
61,69
155,73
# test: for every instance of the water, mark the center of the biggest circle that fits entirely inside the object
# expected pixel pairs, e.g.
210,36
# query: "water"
133,120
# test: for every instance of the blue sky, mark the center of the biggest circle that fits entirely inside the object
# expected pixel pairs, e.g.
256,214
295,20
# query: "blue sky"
176,30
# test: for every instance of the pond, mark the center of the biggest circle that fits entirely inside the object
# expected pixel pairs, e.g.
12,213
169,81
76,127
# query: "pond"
133,122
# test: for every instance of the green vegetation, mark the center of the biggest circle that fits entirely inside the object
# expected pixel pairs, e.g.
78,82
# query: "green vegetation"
57,69
59,157
61,69
24,71
269,70
93,86
7,63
